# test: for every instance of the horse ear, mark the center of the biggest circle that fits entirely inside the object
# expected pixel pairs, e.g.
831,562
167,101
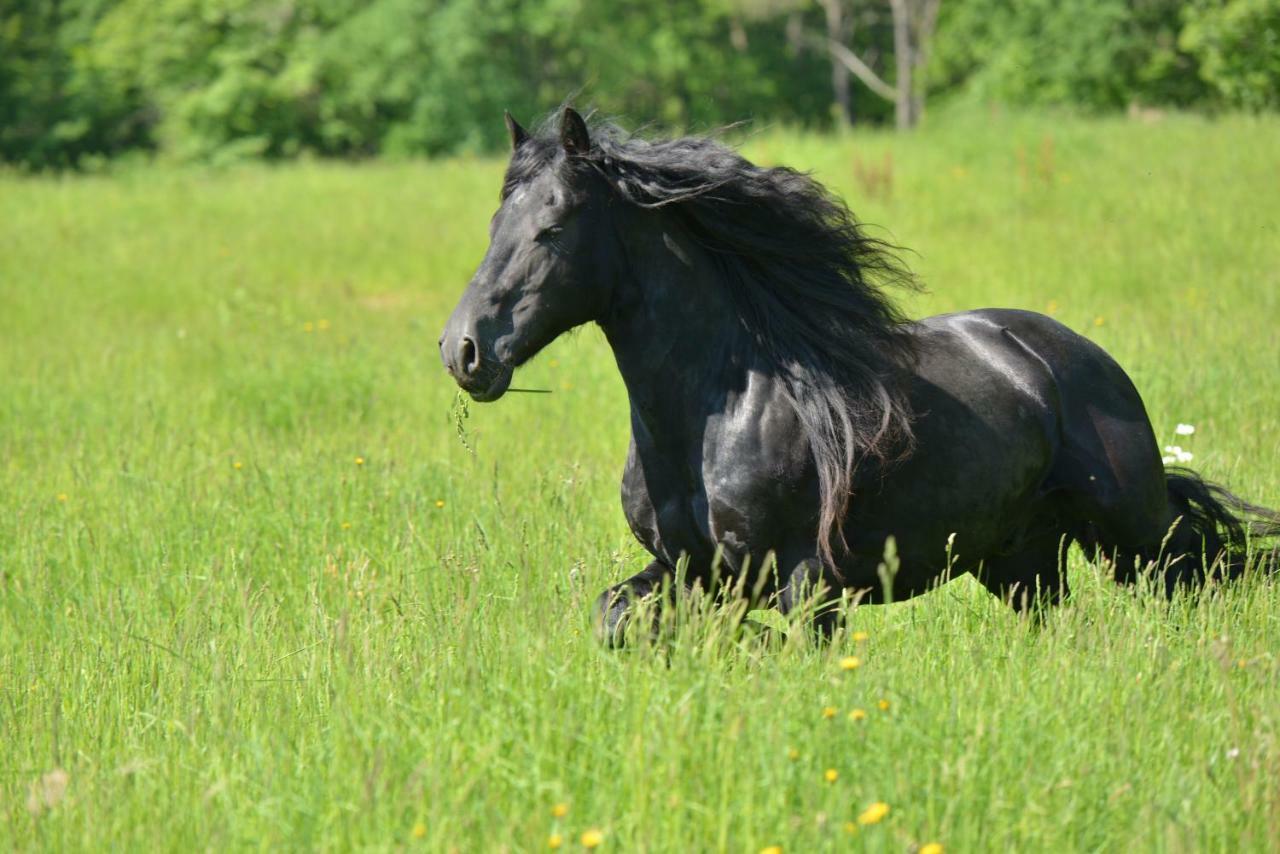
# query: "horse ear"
517,133
573,132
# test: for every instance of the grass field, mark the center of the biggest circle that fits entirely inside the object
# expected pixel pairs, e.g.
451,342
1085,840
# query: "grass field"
255,593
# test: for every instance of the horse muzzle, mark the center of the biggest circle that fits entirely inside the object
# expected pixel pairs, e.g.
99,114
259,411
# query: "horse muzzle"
483,377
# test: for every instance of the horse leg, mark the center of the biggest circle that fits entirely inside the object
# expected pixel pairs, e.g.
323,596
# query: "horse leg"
616,606
1032,578
811,586
1200,535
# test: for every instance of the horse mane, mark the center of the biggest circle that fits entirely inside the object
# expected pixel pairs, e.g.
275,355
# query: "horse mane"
807,280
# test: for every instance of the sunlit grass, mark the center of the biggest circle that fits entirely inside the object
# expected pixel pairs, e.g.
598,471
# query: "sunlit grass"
254,591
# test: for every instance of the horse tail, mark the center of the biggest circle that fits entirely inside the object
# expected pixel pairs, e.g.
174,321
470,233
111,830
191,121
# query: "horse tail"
1215,528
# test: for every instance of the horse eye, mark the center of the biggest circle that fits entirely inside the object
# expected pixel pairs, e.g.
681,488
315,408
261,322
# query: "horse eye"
550,232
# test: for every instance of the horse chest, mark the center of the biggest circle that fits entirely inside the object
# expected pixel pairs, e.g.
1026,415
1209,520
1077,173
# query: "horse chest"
682,504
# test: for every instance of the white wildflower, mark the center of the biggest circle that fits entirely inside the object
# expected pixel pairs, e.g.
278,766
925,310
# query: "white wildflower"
1185,429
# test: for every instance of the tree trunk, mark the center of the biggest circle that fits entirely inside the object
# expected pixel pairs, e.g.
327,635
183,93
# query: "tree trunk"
904,102
842,104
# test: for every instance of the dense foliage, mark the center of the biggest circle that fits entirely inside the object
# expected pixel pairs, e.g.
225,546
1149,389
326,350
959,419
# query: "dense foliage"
217,79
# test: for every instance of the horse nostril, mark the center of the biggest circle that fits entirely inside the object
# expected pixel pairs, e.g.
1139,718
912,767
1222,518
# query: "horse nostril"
470,356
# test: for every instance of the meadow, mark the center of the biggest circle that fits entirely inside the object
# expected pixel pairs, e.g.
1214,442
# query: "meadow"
255,593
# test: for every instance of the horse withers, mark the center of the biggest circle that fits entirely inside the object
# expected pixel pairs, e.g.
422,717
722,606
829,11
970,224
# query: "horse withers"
784,415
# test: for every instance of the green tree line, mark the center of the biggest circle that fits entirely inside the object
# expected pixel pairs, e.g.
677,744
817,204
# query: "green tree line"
82,80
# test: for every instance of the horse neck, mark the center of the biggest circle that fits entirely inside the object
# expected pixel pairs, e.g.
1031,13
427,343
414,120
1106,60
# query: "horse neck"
676,334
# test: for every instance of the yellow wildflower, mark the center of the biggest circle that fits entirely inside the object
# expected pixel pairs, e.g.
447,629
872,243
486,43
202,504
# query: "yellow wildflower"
874,813
419,830
850,827
322,325
771,849
859,637
850,662
793,754
359,461
346,526
883,705
560,810
829,712
439,503
308,326
554,841
591,838
930,848
1099,320
62,496
831,775
857,715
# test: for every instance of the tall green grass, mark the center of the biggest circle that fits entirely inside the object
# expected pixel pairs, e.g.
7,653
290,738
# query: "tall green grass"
254,592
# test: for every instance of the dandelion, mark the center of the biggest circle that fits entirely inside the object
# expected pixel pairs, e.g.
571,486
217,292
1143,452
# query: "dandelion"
308,326
591,838
554,841
322,325
930,848
771,849
1099,320
419,830
859,637
883,705
831,775
359,461
874,813
850,662
439,503
237,465
829,712
346,526
793,754
850,827
857,715
1052,307
1185,429
62,496
560,810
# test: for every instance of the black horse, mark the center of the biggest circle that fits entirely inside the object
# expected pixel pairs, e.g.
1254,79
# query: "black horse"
782,408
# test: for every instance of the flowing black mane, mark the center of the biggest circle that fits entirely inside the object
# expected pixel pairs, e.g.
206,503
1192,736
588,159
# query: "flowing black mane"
806,278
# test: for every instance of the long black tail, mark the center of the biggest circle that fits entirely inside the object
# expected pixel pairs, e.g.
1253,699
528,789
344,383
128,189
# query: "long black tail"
1215,529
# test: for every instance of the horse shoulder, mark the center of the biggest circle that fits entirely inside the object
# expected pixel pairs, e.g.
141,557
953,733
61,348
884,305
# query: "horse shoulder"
758,469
